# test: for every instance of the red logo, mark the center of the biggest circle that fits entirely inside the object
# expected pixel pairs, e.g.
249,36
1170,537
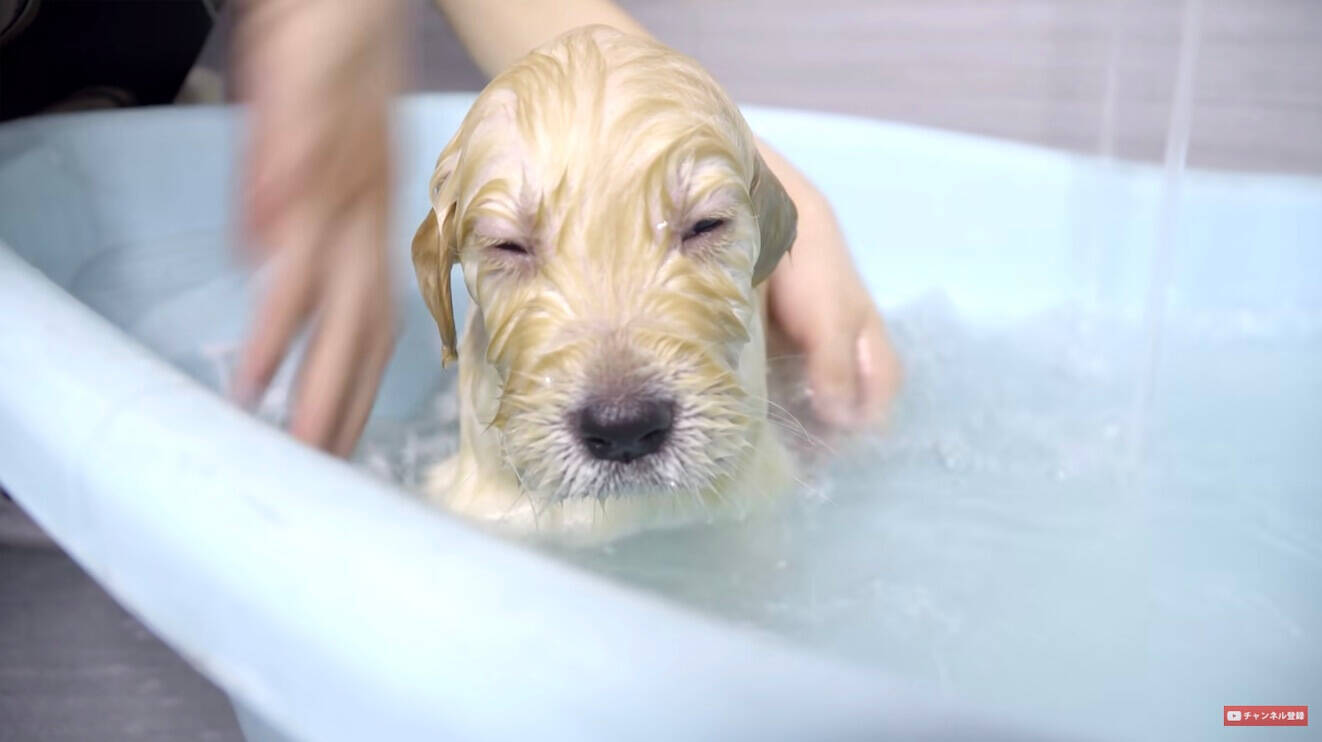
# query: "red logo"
1264,716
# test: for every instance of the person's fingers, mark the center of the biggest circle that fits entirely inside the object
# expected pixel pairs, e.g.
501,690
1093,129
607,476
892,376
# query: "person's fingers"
356,298
285,304
879,371
259,207
323,380
832,376
362,395
281,315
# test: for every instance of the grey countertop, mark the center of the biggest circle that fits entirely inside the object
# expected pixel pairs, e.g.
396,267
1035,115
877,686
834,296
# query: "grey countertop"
75,666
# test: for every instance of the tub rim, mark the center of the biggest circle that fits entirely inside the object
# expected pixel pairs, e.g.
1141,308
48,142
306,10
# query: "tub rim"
123,468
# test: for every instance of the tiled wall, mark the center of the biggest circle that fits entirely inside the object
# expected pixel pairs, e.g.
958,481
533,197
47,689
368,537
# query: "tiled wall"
1031,70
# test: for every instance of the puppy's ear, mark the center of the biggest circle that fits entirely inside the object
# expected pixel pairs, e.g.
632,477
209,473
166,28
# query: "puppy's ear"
434,255
777,219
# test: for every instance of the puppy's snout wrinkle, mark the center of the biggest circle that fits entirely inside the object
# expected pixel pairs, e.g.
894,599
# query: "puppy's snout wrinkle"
625,430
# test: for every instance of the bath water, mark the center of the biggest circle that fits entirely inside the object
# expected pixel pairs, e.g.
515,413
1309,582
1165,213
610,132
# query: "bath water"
1001,544
997,546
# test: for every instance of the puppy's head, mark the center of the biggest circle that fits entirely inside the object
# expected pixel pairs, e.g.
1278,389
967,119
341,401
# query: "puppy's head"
613,220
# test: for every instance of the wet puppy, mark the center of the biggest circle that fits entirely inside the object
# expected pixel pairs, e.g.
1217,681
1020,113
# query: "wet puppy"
614,224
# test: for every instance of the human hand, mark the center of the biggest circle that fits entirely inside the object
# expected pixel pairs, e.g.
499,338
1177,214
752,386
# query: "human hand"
819,304
319,76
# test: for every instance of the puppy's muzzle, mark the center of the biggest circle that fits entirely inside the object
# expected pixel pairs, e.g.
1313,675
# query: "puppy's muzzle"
624,430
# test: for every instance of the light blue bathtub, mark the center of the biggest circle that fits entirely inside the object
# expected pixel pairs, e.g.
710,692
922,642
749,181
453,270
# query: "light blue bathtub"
1093,507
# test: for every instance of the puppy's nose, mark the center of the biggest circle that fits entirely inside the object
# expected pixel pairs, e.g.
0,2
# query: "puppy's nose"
624,431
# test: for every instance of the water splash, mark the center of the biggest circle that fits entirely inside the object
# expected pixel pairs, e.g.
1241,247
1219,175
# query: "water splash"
1163,248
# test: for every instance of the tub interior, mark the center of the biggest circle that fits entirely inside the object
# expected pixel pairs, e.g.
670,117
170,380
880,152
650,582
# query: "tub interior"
1077,515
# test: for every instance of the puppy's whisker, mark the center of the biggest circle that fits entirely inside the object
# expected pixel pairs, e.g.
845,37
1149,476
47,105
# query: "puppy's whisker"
523,490
774,409
793,427
793,436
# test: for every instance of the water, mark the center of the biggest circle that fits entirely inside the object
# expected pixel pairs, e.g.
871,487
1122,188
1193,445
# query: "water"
994,547
1161,255
1001,544
998,545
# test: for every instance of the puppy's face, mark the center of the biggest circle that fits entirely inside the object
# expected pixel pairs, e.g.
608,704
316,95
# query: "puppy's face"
612,218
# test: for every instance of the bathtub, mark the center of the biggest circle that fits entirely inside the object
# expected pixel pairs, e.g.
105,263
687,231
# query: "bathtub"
330,605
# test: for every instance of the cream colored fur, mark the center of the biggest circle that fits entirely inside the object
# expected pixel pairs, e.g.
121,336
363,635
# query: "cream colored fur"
598,154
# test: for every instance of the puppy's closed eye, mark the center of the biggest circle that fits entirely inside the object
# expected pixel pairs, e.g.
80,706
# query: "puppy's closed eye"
513,249
704,226
510,257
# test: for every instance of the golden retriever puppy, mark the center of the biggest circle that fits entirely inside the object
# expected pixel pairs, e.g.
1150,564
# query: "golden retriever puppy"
614,222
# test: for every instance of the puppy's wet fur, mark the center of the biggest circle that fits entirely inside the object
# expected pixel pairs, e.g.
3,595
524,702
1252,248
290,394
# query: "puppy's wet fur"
614,224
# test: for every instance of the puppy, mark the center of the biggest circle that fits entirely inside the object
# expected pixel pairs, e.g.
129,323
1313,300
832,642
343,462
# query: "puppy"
615,224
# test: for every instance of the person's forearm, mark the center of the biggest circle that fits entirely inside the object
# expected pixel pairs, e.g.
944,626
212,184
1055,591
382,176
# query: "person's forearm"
498,32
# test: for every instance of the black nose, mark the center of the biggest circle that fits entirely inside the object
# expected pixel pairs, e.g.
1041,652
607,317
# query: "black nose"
624,431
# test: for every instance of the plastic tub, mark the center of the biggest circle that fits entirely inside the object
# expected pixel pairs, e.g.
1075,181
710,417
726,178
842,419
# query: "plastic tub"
330,606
